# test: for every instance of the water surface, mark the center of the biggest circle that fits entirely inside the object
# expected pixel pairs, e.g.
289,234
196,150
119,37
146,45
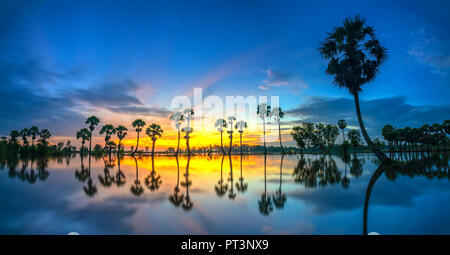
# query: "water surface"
311,194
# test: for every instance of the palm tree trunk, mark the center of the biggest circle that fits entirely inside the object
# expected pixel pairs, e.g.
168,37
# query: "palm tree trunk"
279,135
377,152
221,142
153,148
240,141
90,143
231,142
178,145
264,133
137,144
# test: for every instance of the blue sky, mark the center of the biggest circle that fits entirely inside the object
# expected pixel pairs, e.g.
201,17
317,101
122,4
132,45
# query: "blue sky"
62,60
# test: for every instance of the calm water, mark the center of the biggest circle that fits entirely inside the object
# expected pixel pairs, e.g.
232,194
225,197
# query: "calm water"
222,195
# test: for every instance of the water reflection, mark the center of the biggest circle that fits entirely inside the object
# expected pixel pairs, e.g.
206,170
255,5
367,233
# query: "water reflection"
267,194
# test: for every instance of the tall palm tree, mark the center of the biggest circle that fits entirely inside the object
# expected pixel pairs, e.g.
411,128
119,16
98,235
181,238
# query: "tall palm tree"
240,125
138,125
220,125
121,132
24,133
84,134
278,114
92,121
355,56
154,131
342,125
108,130
388,134
34,132
188,113
44,134
178,119
230,124
263,111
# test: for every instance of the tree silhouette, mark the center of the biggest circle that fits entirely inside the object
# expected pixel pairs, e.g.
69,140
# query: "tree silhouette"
154,131
220,125
278,114
121,132
84,134
138,125
279,199
136,189
220,188
176,198
265,202
178,119
355,56
342,125
263,111
241,185
92,121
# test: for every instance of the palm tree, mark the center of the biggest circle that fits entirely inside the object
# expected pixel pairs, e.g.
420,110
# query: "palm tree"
14,134
342,125
230,124
354,137
34,132
220,125
278,113
188,116
388,134
263,110
154,131
355,56
240,125
178,119
120,176
92,121
84,134
138,125
121,132
44,134
107,130
24,133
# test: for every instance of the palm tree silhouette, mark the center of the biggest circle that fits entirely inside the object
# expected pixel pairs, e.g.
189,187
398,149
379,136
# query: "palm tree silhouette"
220,188
188,116
263,110
138,125
154,131
278,114
355,56
178,119
121,132
176,198
24,133
107,130
34,132
279,199
220,125
84,134
265,202
136,189
231,120
44,134
83,174
342,125
92,121
241,185
240,125
187,204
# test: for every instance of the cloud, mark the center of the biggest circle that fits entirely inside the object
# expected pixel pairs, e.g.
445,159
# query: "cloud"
277,78
376,113
142,110
430,47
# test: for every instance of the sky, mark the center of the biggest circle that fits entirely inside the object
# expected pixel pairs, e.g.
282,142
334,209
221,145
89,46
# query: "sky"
62,61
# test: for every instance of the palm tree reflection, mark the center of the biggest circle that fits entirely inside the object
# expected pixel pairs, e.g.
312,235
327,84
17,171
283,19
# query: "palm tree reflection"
153,181
176,198
241,185
90,189
187,204
136,189
231,194
265,202
220,188
279,199
120,176
107,179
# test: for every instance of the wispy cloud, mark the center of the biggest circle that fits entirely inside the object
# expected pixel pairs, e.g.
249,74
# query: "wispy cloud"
278,78
430,48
